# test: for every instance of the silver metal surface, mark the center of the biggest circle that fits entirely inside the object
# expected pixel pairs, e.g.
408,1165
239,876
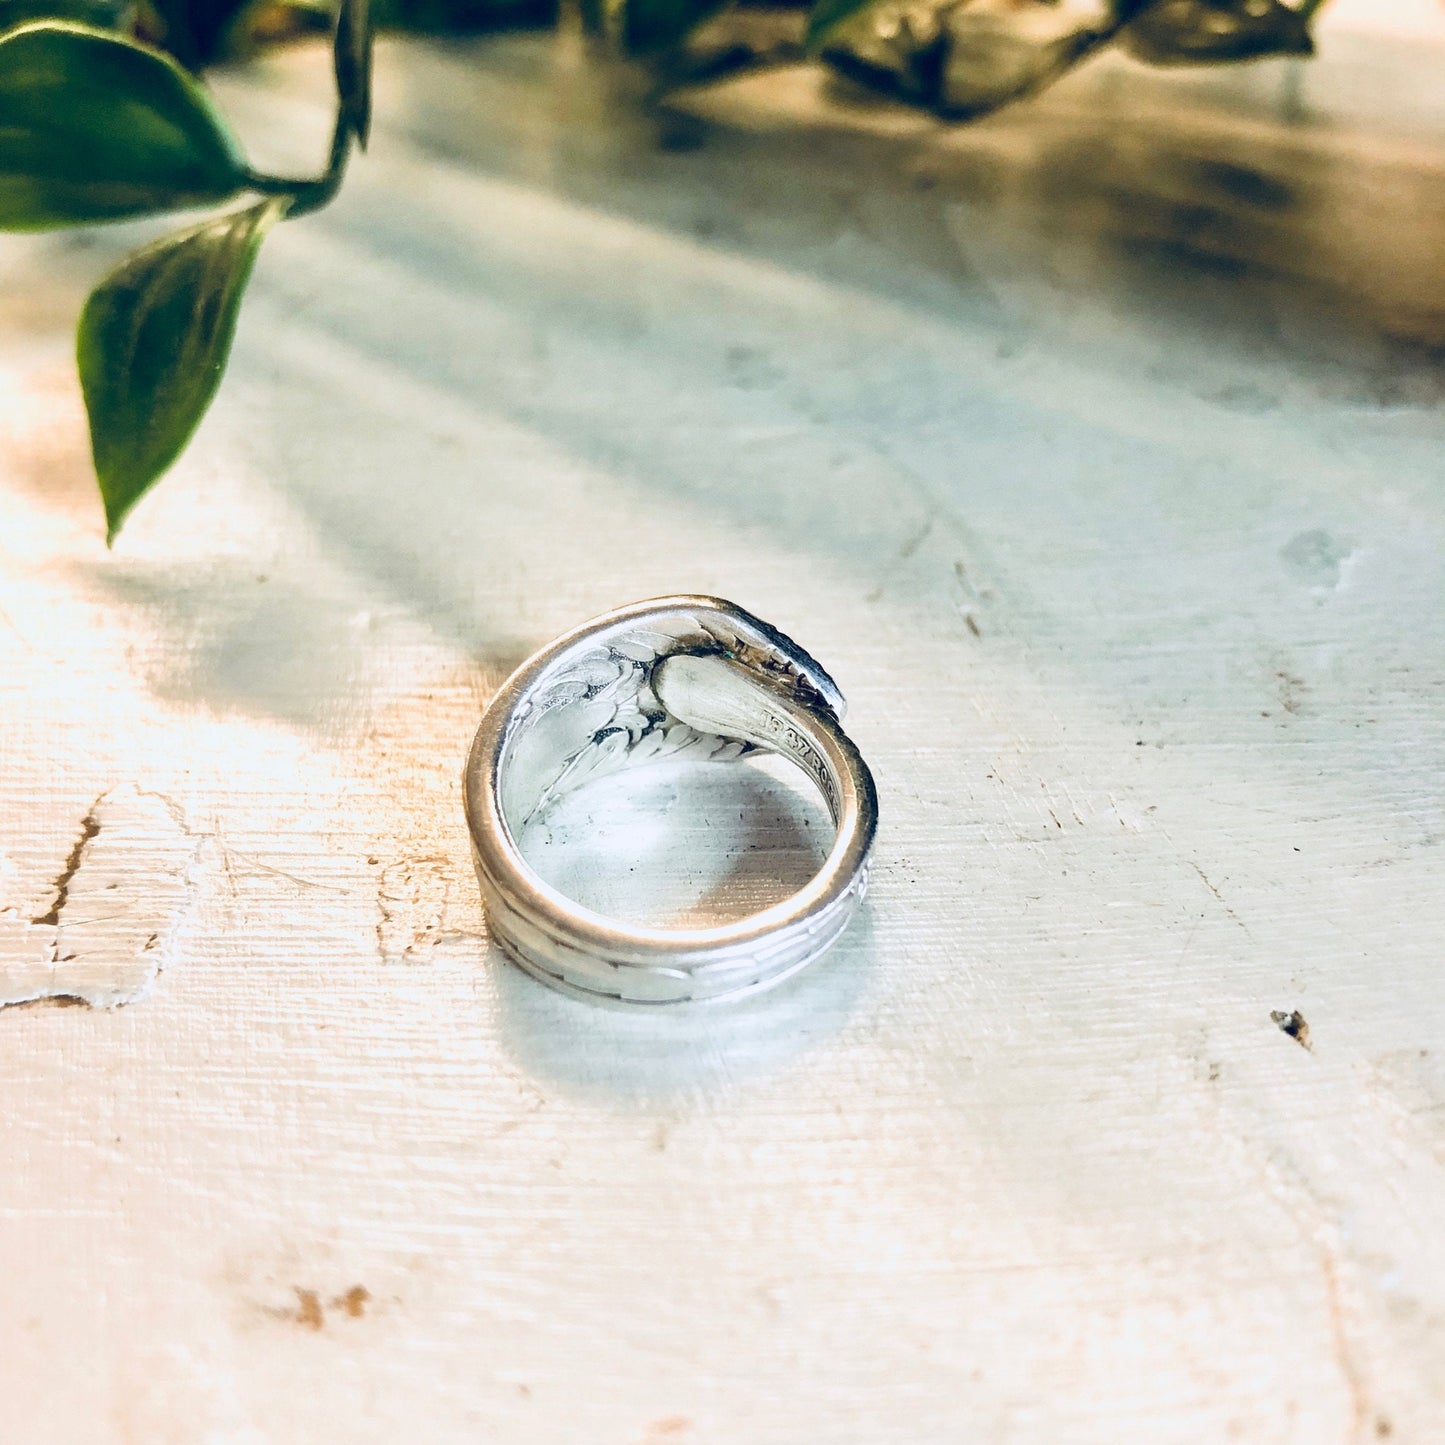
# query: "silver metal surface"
676,677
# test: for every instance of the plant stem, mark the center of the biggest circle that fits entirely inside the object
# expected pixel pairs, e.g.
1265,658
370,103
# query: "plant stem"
310,195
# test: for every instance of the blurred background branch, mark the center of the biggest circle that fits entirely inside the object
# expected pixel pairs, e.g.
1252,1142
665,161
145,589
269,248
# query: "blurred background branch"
102,117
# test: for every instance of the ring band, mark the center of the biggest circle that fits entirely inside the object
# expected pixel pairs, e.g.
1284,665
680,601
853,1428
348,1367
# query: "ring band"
679,677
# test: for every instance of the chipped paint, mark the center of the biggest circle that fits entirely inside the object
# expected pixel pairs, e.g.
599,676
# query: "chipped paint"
115,906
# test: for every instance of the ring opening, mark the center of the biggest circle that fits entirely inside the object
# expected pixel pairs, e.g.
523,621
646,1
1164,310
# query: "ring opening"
683,844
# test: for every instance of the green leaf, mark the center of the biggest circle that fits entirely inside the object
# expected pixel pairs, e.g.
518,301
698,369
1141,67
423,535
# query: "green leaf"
827,15
1200,32
353,67
94,128
153,342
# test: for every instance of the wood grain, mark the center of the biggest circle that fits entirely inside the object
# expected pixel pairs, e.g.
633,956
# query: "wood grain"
1095,450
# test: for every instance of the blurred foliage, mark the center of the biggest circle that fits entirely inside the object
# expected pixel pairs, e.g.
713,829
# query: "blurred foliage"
962,58
463,17
642,28
1196,32
103,14
102,118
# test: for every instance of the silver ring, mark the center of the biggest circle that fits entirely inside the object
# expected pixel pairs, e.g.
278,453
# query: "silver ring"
691,677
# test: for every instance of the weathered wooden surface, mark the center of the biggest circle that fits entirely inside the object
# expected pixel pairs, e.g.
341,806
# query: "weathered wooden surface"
1097,450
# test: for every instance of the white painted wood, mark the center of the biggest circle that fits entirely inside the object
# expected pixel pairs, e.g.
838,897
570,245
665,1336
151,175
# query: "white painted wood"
1096,450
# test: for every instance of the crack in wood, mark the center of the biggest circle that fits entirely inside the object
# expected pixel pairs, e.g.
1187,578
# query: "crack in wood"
89,828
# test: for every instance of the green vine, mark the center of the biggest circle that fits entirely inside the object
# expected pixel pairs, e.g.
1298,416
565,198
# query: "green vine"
101,126
103,118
